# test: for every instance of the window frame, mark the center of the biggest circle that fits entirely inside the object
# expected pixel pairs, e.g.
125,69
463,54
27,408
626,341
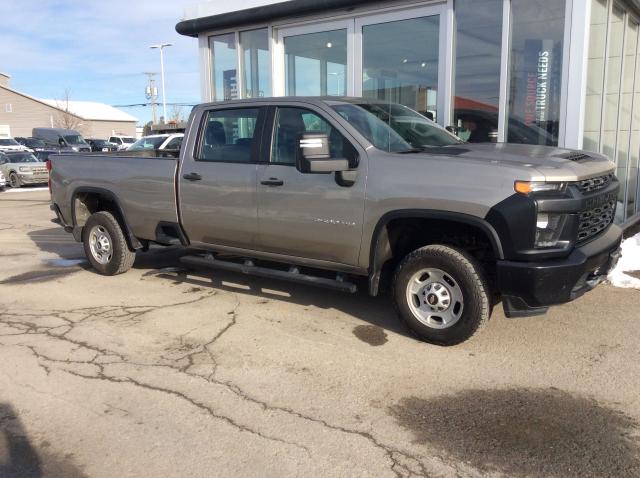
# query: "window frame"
255,154
270,129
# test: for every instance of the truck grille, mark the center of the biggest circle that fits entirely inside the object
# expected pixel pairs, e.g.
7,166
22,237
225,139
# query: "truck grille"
594,184
39,170
596,220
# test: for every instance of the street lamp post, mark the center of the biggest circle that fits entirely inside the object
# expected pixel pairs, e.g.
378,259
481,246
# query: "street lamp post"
161,46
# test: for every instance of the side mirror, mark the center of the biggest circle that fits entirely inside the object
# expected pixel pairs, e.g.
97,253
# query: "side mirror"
315,157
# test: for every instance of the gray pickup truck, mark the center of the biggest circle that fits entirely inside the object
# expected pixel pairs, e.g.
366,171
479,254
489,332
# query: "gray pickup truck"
323,190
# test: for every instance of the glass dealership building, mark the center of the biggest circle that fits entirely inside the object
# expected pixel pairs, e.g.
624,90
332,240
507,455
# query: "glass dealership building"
546,72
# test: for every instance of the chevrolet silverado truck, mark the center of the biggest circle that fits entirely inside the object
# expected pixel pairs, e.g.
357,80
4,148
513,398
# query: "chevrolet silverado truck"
324,190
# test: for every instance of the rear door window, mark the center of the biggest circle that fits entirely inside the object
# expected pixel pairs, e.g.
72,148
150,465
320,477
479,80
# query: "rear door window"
230,136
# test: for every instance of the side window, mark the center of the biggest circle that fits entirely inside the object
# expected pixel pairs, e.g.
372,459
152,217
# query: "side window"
228,135
175,143
289,126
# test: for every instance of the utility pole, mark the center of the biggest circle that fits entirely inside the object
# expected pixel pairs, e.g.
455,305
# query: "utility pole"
161,46
151,93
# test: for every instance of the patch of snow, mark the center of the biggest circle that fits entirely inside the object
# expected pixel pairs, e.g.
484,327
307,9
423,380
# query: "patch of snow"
26,190
65,262
630,261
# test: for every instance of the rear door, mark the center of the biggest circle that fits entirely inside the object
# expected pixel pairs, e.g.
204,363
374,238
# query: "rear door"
309,215
217,178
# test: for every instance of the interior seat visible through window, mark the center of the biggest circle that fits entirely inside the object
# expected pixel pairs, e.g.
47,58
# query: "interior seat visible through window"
229,135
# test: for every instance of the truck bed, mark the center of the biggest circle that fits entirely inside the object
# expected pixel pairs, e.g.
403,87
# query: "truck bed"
144,186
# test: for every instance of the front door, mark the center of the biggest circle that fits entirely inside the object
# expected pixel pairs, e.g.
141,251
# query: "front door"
218,182
309,215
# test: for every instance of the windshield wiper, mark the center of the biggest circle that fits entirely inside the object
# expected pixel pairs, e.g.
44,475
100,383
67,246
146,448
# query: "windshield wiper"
411,151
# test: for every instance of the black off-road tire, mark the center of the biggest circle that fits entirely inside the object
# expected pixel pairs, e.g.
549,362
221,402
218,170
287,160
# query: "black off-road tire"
463,269
122,257
14,180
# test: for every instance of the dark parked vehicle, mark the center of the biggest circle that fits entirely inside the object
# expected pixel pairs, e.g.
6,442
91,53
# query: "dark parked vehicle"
45,154
64,139
101,145
334,188
32,143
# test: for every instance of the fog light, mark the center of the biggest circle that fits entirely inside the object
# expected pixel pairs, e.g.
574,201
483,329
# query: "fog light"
549,229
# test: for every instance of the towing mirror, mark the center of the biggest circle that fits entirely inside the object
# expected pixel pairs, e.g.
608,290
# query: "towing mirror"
315,156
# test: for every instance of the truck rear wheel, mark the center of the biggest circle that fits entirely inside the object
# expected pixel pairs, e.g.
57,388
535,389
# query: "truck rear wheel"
441,294
105,245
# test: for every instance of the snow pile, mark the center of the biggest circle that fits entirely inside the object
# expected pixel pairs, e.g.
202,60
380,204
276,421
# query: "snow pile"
630,261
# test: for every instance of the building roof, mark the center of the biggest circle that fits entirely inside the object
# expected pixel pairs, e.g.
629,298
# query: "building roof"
90,110
215,16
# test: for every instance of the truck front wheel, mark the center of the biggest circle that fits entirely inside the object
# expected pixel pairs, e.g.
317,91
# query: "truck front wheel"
441,294
105,245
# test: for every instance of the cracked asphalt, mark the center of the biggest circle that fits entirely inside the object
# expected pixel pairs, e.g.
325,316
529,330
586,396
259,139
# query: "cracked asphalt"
165,371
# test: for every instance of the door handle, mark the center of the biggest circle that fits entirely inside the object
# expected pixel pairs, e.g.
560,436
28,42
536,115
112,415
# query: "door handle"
272,182
192,177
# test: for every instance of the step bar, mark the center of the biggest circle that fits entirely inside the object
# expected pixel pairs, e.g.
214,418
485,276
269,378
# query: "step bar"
249,268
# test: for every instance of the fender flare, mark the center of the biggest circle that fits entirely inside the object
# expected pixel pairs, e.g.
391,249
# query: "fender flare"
380,249
132,240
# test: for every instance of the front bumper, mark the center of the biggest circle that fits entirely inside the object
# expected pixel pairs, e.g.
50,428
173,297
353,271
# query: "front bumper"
33,178
529,288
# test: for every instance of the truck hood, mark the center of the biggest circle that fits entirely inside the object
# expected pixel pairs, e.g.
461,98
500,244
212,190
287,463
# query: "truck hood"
554,164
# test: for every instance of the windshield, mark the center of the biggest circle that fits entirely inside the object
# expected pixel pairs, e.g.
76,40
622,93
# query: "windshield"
74,139
8,142
34,143
395,128
128,140
151,142
22,158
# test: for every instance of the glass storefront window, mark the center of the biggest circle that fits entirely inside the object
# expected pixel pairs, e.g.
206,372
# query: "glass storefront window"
256,64
537,33
400,63
224,74
612,93
316,64
595,74
477,77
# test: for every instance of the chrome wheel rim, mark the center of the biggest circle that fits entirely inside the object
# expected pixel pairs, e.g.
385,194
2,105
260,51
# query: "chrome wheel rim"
435,298
100,244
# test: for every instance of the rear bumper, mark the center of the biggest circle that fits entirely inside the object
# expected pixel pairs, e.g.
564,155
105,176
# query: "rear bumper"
529,288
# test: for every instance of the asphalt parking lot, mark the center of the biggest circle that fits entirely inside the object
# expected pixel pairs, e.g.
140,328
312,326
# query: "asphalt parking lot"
164,371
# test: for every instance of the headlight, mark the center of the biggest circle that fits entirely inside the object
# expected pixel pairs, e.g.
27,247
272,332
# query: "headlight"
549,229
24,169
528,187
75,148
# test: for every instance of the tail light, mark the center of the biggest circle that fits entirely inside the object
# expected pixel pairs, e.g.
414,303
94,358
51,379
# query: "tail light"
49,165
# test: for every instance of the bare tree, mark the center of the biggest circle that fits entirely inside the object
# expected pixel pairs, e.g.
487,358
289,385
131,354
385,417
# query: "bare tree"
176,114
65,118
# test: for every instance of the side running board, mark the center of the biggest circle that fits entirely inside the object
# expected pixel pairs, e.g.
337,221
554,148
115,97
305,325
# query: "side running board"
248,267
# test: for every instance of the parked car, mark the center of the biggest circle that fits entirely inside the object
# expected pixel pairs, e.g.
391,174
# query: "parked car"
22,168
158,143
101,145
32,143
122,142
64,139
328,184
10,144
3,180
45,154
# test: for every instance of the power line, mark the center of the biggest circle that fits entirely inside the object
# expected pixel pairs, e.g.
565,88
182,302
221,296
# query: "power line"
134,105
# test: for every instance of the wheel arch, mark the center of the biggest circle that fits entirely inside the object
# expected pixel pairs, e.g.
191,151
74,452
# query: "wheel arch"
86,200
381,244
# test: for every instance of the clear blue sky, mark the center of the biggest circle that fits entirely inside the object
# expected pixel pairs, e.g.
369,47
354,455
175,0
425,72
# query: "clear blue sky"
98,50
